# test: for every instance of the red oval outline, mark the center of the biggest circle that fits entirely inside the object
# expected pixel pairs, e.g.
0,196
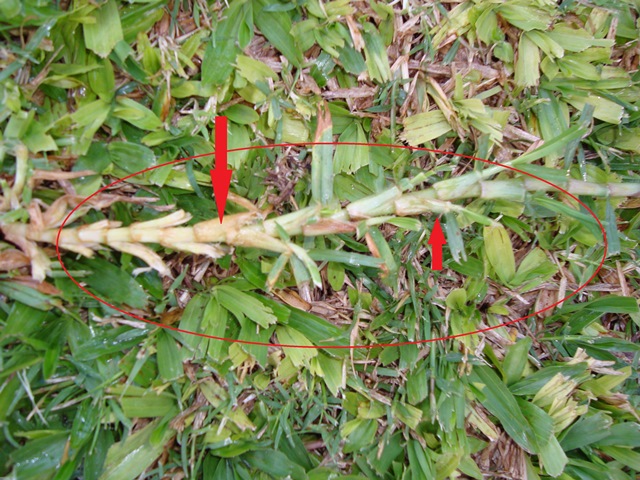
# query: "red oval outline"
351,347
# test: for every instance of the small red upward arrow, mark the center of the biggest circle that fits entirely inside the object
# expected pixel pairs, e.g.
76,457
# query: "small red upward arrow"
436,240
221,175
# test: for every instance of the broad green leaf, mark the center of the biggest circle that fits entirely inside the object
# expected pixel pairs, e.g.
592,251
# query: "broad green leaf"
418,384
424,127
335,276
332,372
552,457
454,238
496,398
625,434
221,51
28,296
516,360
136,114
420,461
350,158
112,283
241,114
149,406
586,431
531,384
101,78
190,88
606,304
524,15
254,70
249,333
546,43
552,118
241,304
487,27
448,463
556,144
551,454
390,266
391,449
319,331
352,60
575,39
102,29
456,299
499,251
527,69
375,54
358,434
169,358
534,269
216,318
23,320
605,110
322,168
627,456
606,384
108,343
39,458
276,27
192,321
307,262
137,17
611,227
90,113
10,8
274,463
238,138
298,356
407,414
131,157
294,129
627,139
127,459
36,138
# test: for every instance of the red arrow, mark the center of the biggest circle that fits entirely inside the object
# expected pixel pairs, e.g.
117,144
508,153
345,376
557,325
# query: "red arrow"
221,175
436,240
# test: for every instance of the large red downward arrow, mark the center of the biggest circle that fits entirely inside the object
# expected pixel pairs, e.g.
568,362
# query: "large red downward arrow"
221,175
436,240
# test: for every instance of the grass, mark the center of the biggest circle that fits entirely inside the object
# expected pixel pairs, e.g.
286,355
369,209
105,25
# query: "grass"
328,245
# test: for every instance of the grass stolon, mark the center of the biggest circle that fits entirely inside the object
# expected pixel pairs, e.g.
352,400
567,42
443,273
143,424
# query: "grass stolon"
253,230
